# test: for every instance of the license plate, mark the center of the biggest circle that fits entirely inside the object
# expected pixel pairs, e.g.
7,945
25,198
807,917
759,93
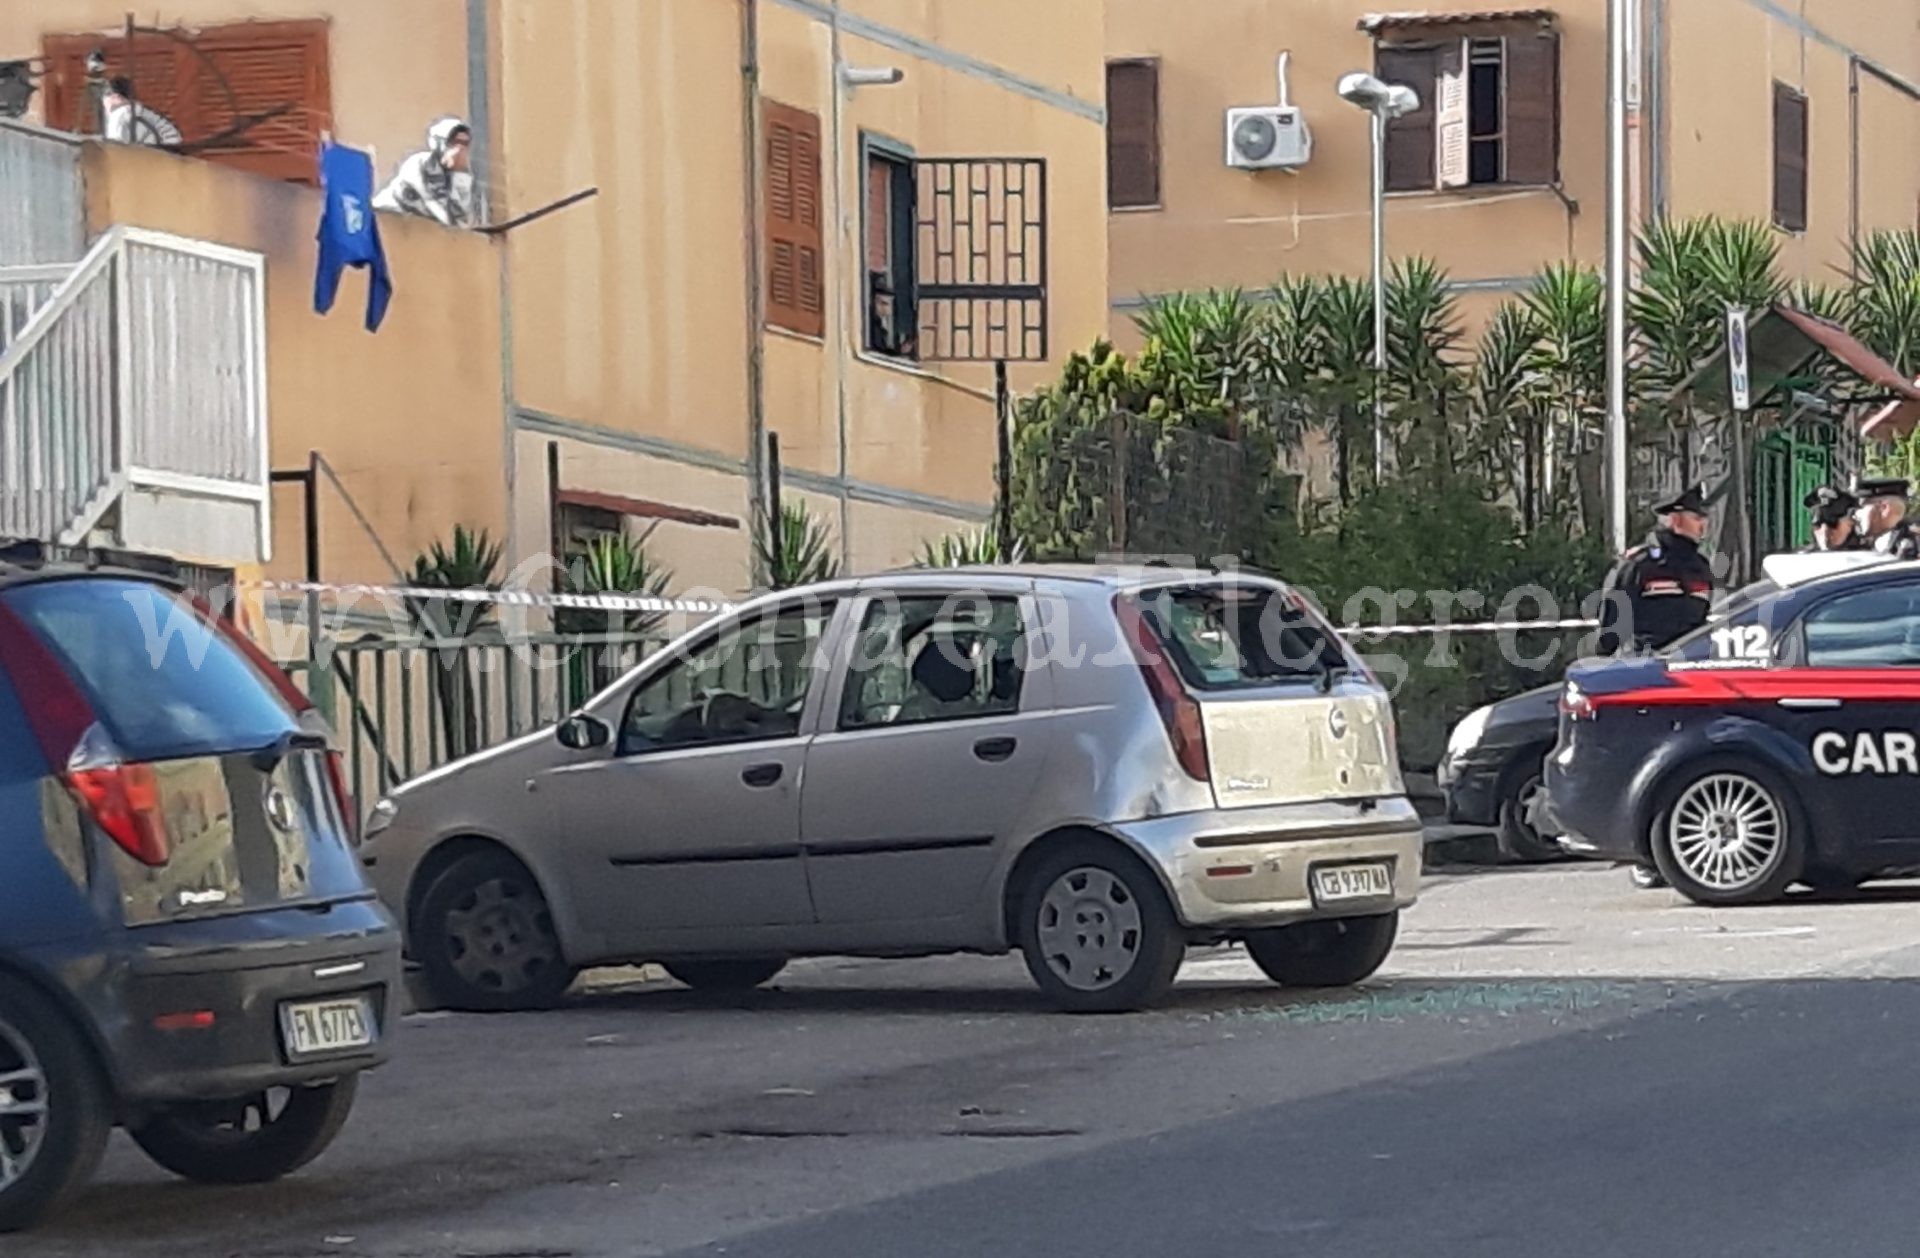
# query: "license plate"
1336,883
316,1028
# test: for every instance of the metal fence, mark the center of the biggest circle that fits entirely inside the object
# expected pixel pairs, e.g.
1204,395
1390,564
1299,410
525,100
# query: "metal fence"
42,203
402,707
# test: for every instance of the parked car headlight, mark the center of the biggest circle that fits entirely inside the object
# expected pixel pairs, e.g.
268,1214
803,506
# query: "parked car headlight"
380,818
1467,734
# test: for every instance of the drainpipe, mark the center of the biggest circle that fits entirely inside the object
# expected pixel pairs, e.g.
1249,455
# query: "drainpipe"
837,271
756,266
1853,159
480,122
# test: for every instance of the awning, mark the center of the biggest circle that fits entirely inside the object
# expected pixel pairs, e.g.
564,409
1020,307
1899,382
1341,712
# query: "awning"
1782,344
641,508
1377,24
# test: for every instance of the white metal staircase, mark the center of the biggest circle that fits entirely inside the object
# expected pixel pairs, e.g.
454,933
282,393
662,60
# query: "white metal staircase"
133,399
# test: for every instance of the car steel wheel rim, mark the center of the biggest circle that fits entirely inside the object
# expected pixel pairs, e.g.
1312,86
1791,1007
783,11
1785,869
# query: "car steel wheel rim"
500,936
23,1106
1090,930
1727,832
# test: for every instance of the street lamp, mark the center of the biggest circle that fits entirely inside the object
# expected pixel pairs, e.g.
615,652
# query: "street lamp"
1384,101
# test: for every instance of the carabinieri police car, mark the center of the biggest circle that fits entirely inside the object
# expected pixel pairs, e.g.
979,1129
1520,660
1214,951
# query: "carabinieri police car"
1778,744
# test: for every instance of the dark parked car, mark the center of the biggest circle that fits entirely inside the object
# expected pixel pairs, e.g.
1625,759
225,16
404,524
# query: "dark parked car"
187,946
1492,770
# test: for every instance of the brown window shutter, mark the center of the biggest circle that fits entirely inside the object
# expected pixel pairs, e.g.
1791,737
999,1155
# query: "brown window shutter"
1411,140
247,69
1133,134
1789,159
1533,109
796,279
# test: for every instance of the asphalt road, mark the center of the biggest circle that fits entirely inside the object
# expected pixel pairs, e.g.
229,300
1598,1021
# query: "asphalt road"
1552,1064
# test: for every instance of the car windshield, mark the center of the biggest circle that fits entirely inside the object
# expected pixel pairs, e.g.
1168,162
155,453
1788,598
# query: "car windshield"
1233,638
162,680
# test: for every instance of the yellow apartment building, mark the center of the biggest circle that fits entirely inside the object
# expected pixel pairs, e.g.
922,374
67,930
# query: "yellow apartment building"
817,219
1806,115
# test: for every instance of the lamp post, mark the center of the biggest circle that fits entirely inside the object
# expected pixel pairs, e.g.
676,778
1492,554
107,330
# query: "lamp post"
1618,227
1383,102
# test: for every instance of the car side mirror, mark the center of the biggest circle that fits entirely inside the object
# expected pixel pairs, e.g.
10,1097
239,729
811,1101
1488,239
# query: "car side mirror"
581,732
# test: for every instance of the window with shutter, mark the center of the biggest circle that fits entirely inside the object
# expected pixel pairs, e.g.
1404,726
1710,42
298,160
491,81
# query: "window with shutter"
1133,134
796,279
253,95
1411,141
1789,159
1532,125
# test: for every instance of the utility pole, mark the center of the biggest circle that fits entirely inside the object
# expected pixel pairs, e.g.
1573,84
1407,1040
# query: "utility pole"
1618,278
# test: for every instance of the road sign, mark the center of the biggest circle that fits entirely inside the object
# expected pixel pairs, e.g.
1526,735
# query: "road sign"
1740,378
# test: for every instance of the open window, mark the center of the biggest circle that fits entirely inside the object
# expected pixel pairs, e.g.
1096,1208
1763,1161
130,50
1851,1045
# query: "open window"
887,233
1489,99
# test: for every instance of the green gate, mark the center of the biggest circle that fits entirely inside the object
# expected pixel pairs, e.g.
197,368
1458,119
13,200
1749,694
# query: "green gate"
1787,466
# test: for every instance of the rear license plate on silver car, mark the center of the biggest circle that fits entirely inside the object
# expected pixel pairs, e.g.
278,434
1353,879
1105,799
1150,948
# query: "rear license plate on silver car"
1335,884
317,1028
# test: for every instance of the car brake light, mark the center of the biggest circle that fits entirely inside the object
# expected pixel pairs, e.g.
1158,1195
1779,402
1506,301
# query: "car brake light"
1179,711
1576,705
124,799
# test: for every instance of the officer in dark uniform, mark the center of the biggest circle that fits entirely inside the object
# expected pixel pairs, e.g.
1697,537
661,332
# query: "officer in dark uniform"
1663,588
1659,591
1834,527
1883,513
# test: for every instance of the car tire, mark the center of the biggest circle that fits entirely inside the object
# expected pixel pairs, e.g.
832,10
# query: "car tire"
1516,838
1097,930
1331,952
485,939
211,1141
1728,832
730,974
45,1062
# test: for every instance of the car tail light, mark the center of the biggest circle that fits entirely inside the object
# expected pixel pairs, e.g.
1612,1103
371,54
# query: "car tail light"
123,799
1179,711
1576,705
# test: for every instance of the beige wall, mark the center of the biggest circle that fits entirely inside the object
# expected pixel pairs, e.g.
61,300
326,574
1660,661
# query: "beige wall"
1727,55
1221,227
394,65
630,312
409,416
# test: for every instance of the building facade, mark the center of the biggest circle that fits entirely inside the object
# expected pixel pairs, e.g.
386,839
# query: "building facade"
771,181
1806,116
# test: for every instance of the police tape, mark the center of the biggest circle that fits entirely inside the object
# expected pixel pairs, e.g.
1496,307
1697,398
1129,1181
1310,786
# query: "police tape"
712,607
504,598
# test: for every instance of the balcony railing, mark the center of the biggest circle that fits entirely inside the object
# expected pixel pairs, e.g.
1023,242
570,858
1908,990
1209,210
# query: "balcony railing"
133,399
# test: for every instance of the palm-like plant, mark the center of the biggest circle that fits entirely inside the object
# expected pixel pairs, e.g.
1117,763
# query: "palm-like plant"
1885,299
969,550
616,564
1568,302
806,551
470,562
1506,396
1423,375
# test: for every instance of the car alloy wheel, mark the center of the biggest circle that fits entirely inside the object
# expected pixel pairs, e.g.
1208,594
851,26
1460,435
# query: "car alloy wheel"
23,1106
1727,833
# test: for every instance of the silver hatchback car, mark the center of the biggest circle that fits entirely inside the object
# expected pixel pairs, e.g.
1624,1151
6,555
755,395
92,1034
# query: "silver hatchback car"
1096,766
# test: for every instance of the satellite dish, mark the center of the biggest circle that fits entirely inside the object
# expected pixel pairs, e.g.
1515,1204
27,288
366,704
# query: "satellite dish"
1256,137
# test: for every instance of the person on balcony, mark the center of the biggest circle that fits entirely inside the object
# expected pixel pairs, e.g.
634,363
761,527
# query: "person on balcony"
126,121
436,183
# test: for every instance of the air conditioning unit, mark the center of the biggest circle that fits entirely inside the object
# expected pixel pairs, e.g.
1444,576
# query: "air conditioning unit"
1268,137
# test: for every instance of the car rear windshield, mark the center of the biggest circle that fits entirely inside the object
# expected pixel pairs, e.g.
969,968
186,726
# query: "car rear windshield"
163,680
1239,637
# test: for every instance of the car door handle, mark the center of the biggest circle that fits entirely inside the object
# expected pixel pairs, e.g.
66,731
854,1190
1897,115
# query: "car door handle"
762,774
1807,703
994,750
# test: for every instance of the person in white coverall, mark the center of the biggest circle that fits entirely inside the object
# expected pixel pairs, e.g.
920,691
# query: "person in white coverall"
436,183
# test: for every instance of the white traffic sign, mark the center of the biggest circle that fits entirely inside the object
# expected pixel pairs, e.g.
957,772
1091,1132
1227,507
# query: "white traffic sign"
1740,376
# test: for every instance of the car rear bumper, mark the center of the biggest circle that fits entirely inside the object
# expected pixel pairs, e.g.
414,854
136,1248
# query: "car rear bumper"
1252,868
241,970
1590,805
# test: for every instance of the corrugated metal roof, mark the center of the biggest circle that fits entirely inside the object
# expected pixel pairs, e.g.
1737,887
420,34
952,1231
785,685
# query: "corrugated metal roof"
1374,23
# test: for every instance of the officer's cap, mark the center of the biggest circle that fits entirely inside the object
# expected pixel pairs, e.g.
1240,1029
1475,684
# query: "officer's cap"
1693,502
1830,505
1880,487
